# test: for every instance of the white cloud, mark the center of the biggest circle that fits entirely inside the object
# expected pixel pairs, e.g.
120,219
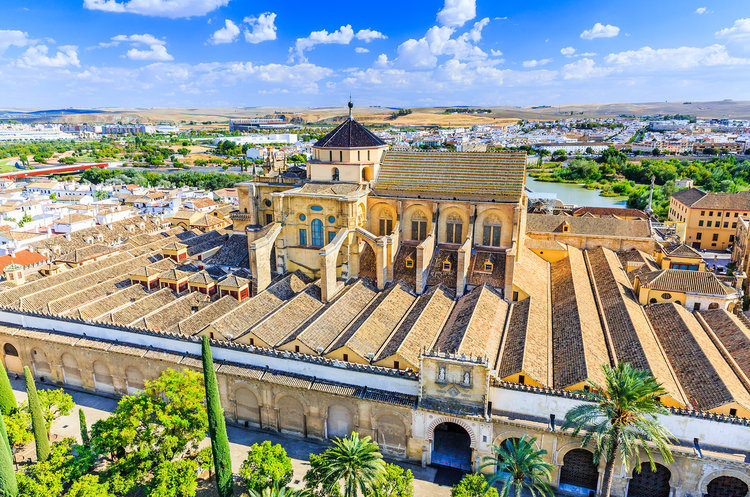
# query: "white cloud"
227,34
584,69
12,37
660,59
438,40
361,50
156,48
739,32
567,51
342,36
261,28
701,10
367,35
159,8
36,56
535,63
382,61
456,13
600,31
496,53
416,54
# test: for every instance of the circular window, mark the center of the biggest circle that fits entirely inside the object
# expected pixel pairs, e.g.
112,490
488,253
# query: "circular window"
268,203
666,296
331,219
302,217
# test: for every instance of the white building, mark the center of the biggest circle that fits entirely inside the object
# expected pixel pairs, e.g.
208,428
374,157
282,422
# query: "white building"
258,139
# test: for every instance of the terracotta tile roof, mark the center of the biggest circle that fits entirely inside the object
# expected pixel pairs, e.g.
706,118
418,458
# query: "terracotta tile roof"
202,277
84,254
142,307
421,326
478,275
629,333
400,271
578,346
94,310
699,199
345,189
451,174
205,316
526,344
708,380
23,258
73,218
610,211
174,246
475,324
438,276
275,328
374,325
584,225
233,252
349,134
682,250
251,311
174,274
233,281
165,317
543,244
686,281
733,334
321,332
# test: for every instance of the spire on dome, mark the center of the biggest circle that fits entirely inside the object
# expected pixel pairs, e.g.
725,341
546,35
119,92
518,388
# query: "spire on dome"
350,105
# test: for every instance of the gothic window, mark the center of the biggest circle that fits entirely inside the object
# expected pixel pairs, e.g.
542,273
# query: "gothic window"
386,226
316,228
418,229
454,228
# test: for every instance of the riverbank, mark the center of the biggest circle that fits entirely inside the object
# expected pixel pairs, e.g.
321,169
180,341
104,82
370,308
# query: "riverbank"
575,193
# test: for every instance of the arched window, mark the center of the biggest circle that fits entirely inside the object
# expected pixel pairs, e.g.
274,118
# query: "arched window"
335,174
454,228
316,229
418,228
10,350
385,226
491,232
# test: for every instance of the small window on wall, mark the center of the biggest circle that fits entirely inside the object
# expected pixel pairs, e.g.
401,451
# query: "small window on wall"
488,267
335,174
331,236
521,379
666,296
409,263
269,218
491,235
302,236
446,265
385,226
418,229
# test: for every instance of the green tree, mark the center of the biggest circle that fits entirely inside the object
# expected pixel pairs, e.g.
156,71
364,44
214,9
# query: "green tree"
353,462
275,492
67,463
84,427
8,485
25,219
395,483
473,485
39,426
54,403
8,402
621,418
519,466
174,479
89,486
217,429
164,422
266,466
17,426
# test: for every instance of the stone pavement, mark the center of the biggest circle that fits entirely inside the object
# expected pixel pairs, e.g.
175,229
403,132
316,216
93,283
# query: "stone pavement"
97,407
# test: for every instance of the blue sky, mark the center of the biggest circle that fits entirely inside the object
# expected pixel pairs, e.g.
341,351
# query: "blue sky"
233,53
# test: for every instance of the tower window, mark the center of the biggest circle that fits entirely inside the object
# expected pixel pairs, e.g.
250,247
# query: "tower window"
316,226
454,229
418,229
335,174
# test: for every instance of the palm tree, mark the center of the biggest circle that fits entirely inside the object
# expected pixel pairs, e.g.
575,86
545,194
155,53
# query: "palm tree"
354,461
275,492
520,467
622,418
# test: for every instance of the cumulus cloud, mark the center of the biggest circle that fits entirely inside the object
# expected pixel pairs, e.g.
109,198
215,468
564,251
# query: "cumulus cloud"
361,50
600,31
342,36
158,8
535,63
368,35
675,58
496,53
156,49
567,51
583,69
12,37
261,28
227,34
423,53
701,10
456,13
739,32
37,56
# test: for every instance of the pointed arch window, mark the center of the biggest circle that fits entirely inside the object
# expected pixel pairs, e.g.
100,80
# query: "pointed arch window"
454,228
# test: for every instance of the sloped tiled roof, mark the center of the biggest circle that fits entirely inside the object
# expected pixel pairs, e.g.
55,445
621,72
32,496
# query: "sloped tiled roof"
698,199
686,281
682,250
350,134
453,174
587,225
604,211
733,334
708,380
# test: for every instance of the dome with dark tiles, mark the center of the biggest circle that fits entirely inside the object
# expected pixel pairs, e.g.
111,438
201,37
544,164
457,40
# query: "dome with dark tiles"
350,134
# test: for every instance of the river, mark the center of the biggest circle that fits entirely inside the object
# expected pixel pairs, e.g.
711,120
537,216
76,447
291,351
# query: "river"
570,193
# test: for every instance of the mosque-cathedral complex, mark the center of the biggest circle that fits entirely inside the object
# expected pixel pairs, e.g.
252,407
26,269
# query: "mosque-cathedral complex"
415,297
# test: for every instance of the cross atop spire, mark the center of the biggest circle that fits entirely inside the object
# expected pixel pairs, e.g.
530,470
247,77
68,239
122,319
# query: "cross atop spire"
350,105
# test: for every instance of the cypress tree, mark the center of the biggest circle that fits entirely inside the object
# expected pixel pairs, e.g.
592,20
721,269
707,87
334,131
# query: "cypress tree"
84,428
217,429
7,399
8,485
38,424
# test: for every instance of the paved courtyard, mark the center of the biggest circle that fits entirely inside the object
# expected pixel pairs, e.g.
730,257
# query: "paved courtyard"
96,407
